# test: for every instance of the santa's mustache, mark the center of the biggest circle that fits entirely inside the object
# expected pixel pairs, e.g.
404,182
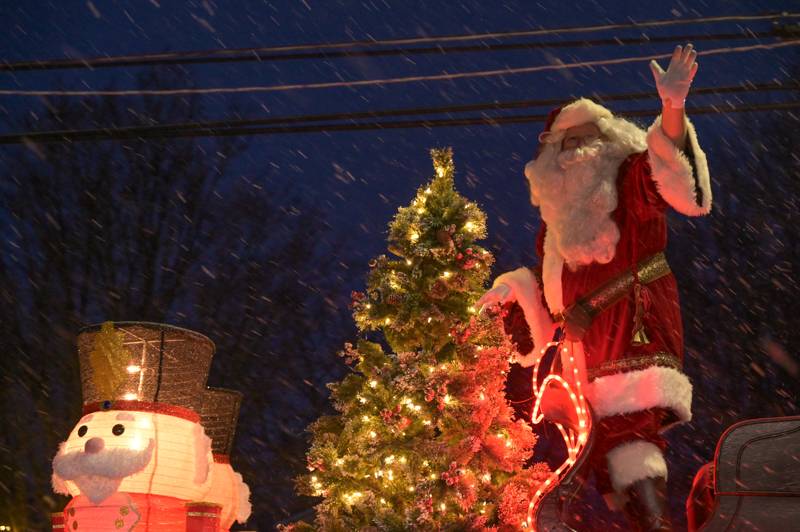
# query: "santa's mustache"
109,463
581,154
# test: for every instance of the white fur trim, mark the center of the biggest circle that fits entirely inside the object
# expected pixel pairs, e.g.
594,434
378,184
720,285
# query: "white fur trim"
552,268
656,386
59,486
579,112
244,508
526,292
634,461
672,171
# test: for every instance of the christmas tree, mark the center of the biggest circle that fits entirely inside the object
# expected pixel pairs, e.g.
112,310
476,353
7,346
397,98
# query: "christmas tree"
424,438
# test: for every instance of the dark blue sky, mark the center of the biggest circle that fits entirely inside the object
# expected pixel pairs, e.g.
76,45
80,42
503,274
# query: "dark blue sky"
387,166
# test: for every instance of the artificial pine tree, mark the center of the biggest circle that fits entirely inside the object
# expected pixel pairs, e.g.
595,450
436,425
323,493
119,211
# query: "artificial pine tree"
424,438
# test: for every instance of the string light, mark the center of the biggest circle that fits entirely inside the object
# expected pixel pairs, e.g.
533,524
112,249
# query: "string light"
131,369
428,190
574,442
373,383
469,226
446,274
413,236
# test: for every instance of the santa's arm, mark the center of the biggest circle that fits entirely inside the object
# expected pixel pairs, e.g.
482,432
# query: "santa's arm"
521,285
679,167
672,124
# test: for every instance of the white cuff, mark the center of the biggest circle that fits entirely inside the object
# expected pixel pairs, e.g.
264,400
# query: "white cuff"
634,461
527,293
675,180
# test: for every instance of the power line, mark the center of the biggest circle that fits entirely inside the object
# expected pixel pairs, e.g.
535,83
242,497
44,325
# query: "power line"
135,131
388,81
256,52
249,56
111,134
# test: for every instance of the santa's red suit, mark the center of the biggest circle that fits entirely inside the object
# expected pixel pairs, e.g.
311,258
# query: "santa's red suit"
633,367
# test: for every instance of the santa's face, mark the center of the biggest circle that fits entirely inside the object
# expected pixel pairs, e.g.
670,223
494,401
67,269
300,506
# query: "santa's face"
577,136
574,184
103,449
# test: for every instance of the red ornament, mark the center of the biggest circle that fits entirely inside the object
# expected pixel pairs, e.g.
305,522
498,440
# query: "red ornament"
403,423
315,463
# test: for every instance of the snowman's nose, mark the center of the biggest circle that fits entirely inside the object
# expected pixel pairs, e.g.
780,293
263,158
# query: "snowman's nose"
94,445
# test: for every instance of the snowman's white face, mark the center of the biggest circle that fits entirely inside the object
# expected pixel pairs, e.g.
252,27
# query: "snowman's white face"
131,431
103,449
137,452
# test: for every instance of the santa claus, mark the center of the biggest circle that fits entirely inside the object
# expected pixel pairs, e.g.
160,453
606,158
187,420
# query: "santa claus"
603,187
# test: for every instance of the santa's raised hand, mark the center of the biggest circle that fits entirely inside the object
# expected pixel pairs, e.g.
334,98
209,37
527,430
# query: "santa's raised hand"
673,84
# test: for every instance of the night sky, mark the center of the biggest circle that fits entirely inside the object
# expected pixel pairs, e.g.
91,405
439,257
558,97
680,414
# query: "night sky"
356,180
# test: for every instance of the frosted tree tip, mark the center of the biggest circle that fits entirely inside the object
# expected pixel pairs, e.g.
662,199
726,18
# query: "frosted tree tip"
443,161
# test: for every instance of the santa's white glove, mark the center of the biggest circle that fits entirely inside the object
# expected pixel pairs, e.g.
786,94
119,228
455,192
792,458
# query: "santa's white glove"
673,85
496,296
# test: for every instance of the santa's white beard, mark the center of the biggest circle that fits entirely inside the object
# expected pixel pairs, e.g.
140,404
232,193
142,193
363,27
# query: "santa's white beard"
98,475
577,193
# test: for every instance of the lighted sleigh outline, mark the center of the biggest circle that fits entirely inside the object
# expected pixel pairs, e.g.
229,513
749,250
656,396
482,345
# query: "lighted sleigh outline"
576,441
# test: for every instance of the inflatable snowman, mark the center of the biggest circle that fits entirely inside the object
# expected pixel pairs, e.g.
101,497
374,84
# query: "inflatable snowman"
139,458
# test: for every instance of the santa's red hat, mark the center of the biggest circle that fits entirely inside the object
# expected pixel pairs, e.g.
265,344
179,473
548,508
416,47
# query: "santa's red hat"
561,118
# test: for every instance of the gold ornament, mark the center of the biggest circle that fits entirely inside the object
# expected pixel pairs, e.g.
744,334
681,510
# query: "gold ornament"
109,358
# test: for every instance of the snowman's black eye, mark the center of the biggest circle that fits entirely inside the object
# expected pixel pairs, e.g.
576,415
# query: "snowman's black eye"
118,429
82,431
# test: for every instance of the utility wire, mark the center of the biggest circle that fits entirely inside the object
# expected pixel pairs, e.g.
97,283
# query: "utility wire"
111,134
250,56
388,81
134,131
257,52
